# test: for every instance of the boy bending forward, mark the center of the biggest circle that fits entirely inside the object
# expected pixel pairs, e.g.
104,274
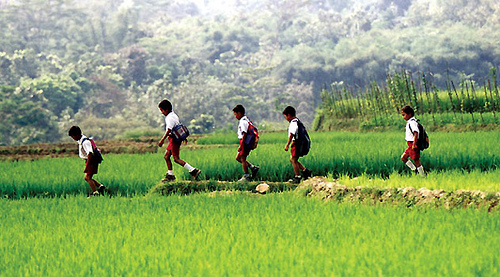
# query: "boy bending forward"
85,151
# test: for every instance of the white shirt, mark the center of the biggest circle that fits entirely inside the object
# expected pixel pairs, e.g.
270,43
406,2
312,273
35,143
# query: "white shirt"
84,147
171,120
293,128
411,127
243,126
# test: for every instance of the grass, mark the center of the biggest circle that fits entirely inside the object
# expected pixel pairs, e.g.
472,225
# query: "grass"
334,153
242,235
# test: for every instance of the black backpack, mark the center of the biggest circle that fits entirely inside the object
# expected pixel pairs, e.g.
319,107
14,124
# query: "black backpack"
302,140
423,138
96,155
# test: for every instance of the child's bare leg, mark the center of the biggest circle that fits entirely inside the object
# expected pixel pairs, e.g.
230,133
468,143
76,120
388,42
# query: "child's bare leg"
167,159
88,178
178,160
417,163
295,165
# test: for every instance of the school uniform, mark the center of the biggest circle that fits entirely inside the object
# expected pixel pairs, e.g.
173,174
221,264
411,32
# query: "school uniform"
293,128
411,127
172,120
243,125
84,149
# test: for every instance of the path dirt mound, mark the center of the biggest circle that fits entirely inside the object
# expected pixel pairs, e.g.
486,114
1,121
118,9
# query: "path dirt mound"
409,196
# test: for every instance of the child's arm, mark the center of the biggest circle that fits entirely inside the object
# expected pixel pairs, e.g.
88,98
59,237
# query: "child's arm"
289,141
415,137
242,142
162,140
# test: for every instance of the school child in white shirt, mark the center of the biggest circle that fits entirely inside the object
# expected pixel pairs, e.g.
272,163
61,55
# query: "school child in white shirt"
173,148
290,115
411,136
86,152
243,150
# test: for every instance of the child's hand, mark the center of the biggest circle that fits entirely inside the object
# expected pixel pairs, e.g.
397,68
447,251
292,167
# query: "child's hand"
414,146
160,143
286,147
240,148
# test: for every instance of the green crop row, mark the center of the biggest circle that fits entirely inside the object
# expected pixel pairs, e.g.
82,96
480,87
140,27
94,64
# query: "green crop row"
332,153
241,235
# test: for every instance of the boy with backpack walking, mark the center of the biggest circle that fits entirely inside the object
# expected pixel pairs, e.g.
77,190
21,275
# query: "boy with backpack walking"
173,128
87,150
299,139
416,139
248,137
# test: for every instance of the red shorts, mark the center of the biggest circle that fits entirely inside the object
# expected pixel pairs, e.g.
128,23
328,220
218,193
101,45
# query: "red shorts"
244,151
292,150
173,147
90,168
414,154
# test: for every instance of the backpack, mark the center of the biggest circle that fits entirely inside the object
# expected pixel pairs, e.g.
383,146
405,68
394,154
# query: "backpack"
302,140
252,138
179,133
423,138
96,155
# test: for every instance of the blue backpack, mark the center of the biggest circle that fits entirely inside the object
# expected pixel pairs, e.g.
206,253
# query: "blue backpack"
179,133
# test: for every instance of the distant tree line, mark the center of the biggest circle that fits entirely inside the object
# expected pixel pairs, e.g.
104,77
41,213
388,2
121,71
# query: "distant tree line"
105,64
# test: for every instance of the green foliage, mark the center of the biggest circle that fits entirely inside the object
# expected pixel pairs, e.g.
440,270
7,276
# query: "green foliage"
379,105
241,235
332,153
125,56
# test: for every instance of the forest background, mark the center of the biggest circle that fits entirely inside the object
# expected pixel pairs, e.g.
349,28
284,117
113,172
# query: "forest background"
105,64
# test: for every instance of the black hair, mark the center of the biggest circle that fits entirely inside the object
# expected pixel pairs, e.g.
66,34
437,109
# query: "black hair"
165,105
74,131
289,111
408,110
239,109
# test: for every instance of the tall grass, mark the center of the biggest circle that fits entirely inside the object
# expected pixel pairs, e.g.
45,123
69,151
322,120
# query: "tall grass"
377,102
241,235
334,153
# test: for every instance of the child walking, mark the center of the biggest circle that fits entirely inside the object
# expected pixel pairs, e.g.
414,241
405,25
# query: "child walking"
411,136
86,152
243,150
173,148
290,115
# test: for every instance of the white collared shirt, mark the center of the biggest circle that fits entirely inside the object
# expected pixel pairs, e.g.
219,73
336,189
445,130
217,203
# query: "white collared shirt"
171,120
411,127
293,128
243,126
84,148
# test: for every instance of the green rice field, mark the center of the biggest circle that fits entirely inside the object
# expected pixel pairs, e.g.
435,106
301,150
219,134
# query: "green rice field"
50,228
241,235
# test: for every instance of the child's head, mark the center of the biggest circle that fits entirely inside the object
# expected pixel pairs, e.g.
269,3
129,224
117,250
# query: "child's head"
407,112
289,113
165,106
75,132
239,111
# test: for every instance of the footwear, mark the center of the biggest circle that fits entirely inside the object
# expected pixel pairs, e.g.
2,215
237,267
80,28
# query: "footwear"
195,173
295,180
306,174
101,189
245,178
95,193
168,178
254,170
